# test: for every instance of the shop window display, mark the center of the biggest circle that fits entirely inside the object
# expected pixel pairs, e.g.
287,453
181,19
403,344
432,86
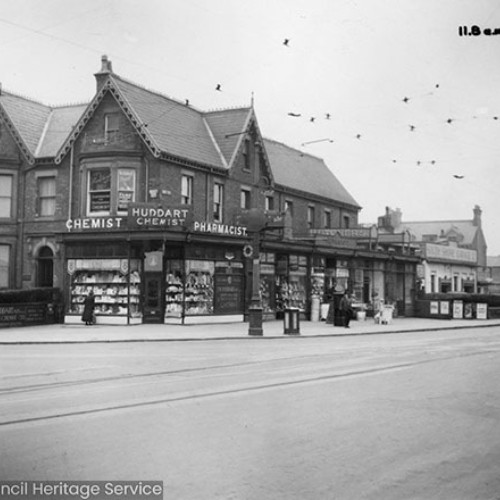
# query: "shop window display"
174,289
291,286
199,289
116,291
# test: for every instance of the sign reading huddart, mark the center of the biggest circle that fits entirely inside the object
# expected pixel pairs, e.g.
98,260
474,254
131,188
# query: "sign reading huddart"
150,216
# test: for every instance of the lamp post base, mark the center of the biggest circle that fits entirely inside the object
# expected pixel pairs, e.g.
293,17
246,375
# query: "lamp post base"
255,321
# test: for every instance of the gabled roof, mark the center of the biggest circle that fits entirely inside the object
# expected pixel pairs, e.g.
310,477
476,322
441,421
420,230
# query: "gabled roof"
440,229
231,123
57,128
177,129
303,172
168,126
38,129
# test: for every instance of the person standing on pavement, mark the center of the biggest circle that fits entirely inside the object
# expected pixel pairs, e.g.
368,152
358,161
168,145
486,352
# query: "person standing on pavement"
345,307
88,309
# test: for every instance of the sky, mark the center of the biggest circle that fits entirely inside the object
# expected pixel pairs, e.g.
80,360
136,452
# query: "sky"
406,109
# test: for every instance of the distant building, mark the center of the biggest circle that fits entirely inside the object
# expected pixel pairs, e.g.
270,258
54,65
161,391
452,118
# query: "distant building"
453,251
493,274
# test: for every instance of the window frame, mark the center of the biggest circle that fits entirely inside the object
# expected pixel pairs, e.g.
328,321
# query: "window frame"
40,199
218,201
269,203
187,197
7,272
111,130
327,219
245,198
114,167
311,216
10,197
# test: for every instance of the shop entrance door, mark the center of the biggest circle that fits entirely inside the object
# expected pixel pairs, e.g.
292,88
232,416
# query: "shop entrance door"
153,303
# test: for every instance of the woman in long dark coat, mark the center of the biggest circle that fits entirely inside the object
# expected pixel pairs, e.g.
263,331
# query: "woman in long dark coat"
88,309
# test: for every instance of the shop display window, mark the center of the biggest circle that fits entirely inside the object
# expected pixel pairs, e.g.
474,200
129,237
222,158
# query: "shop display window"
174,289
291,286
199,288
116,290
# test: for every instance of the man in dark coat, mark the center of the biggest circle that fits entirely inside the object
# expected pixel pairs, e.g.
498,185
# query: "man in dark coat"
345,307
88,308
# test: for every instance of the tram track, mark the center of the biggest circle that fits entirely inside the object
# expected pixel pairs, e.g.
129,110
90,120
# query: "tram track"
241,388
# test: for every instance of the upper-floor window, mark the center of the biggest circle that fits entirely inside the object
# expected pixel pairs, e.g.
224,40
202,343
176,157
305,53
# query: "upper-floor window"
245,199
126,188
111,126
4,265
218,201
46,196
187,189
269,203
110,190
347,221
289,207
327,219
6,184
247,155
310,216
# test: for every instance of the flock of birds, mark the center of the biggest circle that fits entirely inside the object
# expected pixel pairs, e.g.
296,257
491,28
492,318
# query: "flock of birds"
327,116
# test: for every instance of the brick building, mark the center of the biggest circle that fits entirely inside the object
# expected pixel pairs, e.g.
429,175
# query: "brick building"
160,209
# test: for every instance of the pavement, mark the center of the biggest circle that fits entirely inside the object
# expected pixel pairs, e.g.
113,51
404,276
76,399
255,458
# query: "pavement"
65,333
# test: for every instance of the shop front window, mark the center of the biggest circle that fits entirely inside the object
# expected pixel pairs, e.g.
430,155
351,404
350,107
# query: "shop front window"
199,288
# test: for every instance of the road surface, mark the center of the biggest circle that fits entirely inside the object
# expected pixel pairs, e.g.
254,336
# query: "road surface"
402,416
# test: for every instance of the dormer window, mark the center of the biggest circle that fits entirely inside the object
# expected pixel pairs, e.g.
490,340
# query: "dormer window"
111,127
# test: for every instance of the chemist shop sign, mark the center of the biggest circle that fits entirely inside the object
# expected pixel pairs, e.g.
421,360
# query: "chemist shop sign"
147,216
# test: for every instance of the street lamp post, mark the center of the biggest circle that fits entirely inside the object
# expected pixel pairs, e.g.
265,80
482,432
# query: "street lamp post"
255,309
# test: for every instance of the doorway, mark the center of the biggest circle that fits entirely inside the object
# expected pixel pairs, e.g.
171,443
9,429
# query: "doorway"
153,303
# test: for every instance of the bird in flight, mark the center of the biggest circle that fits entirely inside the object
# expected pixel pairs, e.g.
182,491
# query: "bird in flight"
286,41
327,116
412,127
406,99
312,119
218,87
449,120
458,176
294,114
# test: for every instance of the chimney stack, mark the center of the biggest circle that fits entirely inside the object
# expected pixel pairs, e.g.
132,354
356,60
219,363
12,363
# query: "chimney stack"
106,70
476,221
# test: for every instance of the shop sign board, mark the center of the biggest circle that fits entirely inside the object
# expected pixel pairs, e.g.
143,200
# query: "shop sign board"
148,216
458,309
97,265
444,307
449,254
228,294
349,233
23,314
434,307
95,223
482,311
217,228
